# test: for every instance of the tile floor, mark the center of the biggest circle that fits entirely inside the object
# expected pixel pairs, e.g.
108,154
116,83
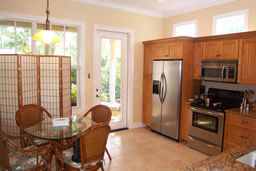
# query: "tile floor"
143,150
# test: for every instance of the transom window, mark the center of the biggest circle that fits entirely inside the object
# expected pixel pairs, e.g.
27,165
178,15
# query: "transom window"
231,22
187,28
16,37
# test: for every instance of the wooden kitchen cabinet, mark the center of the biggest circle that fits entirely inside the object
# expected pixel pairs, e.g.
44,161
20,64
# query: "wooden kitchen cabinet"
184,122
238,130
168,51
247,61
225,49
198,56
147,85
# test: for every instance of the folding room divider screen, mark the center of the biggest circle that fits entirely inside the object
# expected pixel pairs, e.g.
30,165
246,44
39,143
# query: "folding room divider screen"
33,79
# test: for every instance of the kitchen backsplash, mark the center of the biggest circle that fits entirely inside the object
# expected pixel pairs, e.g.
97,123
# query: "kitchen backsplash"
227,86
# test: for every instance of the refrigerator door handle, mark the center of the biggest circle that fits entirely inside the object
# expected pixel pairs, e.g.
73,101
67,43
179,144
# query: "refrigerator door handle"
164,87
160,89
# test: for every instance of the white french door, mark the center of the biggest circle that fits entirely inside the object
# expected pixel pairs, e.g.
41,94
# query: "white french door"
110,75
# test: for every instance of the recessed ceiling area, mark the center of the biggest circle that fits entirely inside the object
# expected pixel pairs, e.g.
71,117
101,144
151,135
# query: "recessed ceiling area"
156,8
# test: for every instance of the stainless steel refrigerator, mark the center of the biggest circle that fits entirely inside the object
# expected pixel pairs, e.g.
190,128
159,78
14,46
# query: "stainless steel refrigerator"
166,95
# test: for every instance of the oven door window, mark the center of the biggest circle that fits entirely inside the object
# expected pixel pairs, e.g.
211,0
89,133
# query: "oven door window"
206,122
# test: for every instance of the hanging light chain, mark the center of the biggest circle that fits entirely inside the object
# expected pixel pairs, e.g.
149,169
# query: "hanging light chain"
47,14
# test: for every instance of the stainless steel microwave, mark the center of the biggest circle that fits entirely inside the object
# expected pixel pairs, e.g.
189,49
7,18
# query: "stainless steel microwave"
219,70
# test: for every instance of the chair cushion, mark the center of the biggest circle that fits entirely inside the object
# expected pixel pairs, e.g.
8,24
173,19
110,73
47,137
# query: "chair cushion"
67,155
21,161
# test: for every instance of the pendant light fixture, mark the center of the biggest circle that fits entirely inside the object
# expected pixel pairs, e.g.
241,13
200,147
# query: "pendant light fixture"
47,36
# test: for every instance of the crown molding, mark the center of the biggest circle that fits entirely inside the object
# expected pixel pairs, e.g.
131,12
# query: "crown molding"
123,7
197,6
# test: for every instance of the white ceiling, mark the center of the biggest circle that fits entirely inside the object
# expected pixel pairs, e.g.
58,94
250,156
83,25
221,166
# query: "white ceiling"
156,8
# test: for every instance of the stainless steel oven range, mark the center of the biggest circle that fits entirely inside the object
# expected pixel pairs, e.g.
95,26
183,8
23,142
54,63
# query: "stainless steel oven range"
206,122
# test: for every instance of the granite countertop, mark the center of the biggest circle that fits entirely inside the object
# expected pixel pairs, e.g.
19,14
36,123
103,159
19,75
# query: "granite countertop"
226,160
249,113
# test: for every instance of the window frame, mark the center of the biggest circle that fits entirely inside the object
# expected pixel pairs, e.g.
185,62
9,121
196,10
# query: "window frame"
244,12
80,108
185,23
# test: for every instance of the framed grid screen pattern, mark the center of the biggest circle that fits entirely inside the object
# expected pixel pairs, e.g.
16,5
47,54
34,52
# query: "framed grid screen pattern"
29,72
49,84
66,82
8,93
31,79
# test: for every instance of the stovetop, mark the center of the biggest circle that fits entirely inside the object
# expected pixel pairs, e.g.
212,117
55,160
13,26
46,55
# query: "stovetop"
221,100
218,108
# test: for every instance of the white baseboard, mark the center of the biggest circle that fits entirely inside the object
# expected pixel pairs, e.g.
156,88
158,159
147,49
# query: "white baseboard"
137,125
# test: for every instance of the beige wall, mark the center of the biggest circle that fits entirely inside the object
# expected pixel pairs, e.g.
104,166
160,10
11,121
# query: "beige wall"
204,17
145,28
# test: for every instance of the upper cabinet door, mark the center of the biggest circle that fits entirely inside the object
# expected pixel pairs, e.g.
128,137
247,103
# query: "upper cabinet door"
168,51
211,50
229,49
247,61
160,51
225,49
198,56
175,50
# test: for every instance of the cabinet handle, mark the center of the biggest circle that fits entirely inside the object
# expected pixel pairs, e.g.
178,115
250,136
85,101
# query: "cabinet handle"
243,137
166,55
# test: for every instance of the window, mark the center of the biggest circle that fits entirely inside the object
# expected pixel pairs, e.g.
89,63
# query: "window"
16,37
187,28
231,22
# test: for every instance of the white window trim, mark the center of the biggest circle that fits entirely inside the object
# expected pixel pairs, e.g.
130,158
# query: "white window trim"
184,23
245,12
81,49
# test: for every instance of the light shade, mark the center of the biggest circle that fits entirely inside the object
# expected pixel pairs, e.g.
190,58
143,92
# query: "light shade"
46,36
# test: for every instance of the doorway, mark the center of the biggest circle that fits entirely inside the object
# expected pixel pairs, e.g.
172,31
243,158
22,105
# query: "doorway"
111,75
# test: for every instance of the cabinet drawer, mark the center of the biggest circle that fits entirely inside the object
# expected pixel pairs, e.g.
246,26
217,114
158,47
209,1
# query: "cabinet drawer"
240,120
239,135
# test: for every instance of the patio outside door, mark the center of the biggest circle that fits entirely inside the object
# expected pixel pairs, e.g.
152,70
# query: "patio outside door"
110,77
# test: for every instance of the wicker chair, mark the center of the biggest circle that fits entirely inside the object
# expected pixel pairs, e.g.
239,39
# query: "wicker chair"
27,116
16,158
100,114
92,148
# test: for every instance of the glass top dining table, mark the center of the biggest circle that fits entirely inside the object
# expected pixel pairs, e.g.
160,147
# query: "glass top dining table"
46,130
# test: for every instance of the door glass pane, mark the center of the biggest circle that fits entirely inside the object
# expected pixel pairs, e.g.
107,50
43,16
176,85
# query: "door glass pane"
40,47
111,76
23,37
7,37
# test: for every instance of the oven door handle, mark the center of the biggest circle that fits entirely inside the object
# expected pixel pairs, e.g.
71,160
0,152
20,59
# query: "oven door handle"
222,71
211,113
